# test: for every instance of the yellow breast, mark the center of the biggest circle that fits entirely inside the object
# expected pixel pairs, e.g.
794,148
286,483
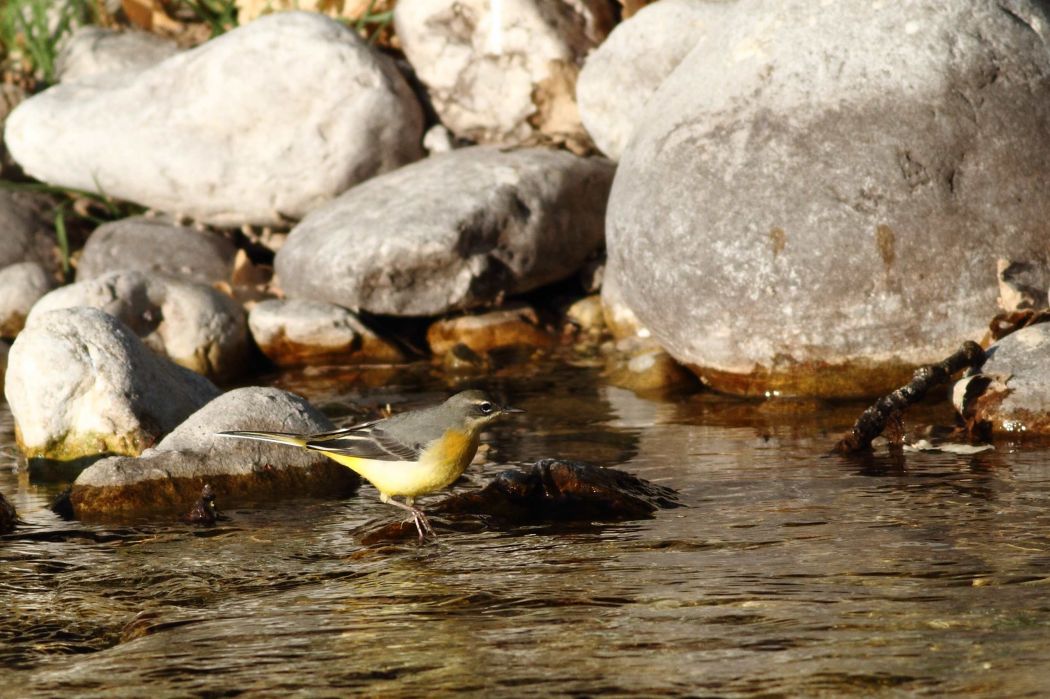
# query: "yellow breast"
438,467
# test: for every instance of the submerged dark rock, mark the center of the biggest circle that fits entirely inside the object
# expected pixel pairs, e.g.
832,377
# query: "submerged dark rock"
8,516
204,511
551,490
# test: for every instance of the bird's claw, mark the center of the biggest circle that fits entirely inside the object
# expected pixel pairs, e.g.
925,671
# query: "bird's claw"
422,525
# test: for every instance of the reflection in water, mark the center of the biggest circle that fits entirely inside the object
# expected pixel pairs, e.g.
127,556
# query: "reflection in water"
791,572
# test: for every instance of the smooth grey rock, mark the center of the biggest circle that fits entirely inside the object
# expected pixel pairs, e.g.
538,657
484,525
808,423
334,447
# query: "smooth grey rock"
170,476
621,75
154,245
296,331
1011,393
257,126
80,383
816,197
92,52
483,63
456,230
192,324
25,232
21,286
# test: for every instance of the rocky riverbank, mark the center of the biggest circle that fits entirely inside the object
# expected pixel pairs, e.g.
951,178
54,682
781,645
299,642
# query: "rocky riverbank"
737,195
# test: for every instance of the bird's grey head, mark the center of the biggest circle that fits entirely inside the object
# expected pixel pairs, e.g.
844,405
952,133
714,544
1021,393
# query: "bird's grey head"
478,407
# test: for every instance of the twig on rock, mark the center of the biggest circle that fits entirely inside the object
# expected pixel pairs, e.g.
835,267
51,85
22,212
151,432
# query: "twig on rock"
873,421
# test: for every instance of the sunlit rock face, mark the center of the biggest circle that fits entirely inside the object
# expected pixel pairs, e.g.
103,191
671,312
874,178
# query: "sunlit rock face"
292,332
1011,394
192,324
816,197
622,74
81,384
169,477
455,231
257,126
503,71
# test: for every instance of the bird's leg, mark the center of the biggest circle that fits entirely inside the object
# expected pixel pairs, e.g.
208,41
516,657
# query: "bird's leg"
418,518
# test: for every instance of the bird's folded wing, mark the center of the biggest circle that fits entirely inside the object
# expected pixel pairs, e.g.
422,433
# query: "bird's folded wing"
368,441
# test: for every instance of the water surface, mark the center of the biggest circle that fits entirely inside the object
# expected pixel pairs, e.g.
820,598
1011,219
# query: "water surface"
789,573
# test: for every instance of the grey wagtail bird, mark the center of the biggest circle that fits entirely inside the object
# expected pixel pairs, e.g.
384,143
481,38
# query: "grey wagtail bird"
406,455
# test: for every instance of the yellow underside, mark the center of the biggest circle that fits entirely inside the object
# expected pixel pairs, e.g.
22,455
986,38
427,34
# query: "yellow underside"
438,467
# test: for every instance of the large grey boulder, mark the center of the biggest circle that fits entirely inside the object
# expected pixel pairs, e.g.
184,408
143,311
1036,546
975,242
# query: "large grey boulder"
80,384
453,231
156,245
1011,393
192,324
489,66
622,74
292,332
93,52
815,199
169,477
21,286
259,125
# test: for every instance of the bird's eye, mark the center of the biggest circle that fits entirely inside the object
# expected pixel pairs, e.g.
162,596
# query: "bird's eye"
485,408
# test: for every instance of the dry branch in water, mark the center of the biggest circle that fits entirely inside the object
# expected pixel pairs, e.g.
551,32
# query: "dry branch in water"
873,421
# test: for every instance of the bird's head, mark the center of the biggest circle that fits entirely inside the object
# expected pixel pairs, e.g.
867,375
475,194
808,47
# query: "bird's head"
477,409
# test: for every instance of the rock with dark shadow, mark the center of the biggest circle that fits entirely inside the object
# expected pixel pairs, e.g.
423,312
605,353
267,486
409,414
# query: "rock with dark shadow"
551,490
455,231
8,516
191,323
170,478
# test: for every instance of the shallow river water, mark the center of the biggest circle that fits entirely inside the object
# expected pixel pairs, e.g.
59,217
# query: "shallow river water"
788,573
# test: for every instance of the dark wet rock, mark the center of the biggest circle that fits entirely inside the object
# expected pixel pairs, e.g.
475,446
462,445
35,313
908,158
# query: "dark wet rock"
8,516
25,230
21,286
81,384
460,358
551,490
622,74
518,326
293,332
193,324
454,231
487,73
154,245
204,511
1011,393
239,130
169,478
92,52
823,237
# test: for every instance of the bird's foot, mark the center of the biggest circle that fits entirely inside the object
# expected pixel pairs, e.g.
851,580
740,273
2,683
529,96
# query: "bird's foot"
422,525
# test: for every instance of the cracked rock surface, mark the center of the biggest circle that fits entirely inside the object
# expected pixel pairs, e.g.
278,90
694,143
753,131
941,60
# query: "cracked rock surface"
831,215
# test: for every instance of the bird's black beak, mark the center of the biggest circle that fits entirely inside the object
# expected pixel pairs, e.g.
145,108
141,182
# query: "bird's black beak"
509,410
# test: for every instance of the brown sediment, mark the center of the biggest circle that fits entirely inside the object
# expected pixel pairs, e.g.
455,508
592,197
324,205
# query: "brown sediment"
174,496
362,350
488,332
778,238
855,379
